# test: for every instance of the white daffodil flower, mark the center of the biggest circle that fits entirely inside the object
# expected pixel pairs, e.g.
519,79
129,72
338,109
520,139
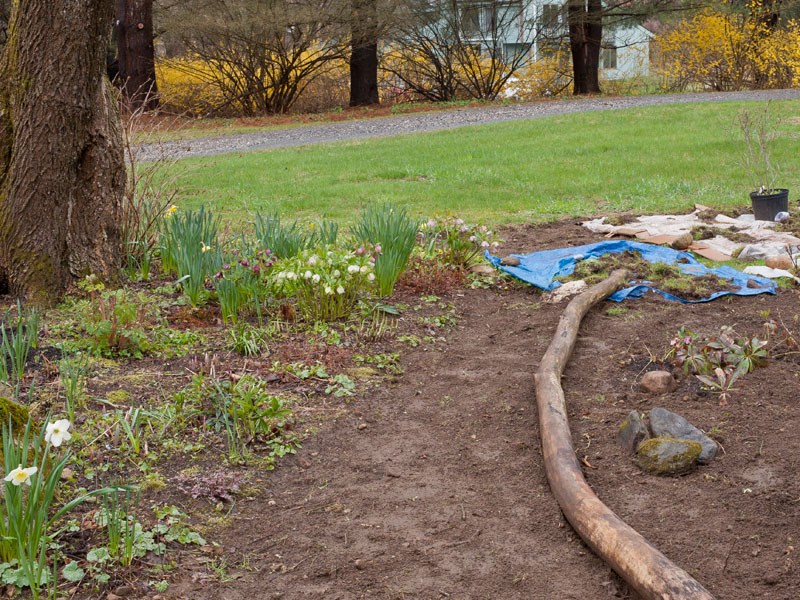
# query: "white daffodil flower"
58,432
315,278
307,275
340,290
371,277
19,476
352,269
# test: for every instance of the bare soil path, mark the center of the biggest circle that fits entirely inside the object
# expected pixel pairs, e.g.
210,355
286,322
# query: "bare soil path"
431,484
433,121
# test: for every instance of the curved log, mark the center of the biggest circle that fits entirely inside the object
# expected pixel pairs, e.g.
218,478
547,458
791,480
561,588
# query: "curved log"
637,561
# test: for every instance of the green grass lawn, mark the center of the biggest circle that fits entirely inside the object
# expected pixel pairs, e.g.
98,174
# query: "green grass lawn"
654,159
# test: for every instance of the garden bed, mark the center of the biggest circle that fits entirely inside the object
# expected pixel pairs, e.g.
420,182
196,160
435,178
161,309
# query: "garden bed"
417,471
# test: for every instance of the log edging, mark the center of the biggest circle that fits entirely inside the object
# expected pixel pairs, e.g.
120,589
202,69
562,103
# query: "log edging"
634,559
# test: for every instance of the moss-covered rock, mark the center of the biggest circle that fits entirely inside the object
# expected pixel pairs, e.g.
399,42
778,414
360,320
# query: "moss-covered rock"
667,456
17,412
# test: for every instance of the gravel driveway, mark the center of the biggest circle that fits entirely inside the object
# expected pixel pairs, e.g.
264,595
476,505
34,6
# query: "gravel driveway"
433,121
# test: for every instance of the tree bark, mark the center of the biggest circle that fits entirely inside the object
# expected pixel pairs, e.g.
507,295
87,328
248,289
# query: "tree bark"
364,54
62,172
136,75
637,561
585,37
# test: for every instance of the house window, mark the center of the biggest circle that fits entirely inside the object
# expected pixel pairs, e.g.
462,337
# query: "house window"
513,51
608,57
550,18
478,20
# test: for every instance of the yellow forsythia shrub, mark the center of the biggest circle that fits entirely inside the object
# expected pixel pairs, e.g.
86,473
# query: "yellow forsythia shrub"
187,86
729,52
548,76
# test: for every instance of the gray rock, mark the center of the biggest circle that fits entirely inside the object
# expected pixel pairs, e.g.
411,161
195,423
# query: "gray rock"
682,242
667,424
510,261
632,432
666,456
658,382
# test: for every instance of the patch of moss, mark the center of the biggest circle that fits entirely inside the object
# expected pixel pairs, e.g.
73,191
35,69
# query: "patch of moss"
118,397
362,372
99,361
191,471
649,458
707,232
17,412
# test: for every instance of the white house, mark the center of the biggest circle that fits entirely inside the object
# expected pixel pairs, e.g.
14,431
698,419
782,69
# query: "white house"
534,27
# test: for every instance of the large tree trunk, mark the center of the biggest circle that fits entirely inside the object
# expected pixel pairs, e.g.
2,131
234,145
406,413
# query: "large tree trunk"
62,173
364,54
136,75
585,37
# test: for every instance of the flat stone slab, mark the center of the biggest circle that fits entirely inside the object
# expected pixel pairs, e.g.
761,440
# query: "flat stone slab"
667,456
667,424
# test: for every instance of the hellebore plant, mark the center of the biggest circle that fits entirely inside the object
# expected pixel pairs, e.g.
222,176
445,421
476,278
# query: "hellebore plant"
455,242
327,281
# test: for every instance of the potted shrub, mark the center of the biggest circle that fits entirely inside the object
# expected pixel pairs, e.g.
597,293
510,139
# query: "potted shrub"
758,131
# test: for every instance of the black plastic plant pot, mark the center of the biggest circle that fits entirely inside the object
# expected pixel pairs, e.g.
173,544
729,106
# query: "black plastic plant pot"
766,206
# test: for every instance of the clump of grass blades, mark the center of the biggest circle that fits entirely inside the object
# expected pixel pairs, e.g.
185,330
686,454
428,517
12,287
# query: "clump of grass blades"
324,233
185,229
285,241
395,232
187,249
17,341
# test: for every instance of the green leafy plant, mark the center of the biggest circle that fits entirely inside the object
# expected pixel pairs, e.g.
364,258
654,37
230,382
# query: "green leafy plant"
455,242
241,280
386,362
246,411
114,322
17,341
721,382
188,243
285,241
323,233
72,372
326,282
130,422
26,525
341,385
393,234
119,516
185,229
717,361
247,340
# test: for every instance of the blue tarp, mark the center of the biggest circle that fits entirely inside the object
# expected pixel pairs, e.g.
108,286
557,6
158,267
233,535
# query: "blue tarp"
542,268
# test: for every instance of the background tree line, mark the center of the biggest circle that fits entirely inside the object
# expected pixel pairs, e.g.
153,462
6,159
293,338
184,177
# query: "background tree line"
251,57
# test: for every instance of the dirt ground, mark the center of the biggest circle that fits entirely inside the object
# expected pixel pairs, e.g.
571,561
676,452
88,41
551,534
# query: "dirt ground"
431,484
